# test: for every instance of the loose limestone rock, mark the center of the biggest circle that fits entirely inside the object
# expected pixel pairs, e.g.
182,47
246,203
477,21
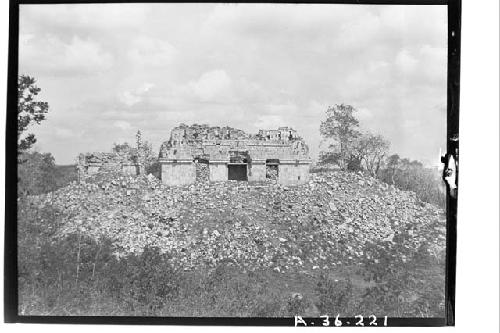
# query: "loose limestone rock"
330,220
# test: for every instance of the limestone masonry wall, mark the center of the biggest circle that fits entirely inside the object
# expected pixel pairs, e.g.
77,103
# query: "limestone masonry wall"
179,173
92,163
270,155
124,159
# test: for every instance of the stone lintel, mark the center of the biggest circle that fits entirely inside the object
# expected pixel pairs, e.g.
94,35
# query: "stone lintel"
295,162
218,161
258,162
171,161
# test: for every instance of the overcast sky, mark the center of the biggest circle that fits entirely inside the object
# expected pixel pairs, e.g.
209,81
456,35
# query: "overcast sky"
108,70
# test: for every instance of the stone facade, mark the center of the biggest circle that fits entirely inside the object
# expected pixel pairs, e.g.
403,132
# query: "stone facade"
231,154
92,163
124,159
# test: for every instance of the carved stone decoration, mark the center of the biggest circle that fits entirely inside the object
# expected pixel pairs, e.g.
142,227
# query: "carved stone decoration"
300,148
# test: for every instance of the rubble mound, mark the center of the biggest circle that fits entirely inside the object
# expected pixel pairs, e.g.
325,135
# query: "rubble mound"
336,218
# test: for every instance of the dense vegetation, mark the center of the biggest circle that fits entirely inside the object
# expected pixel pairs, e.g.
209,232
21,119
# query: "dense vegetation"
413,176
353,149
407,176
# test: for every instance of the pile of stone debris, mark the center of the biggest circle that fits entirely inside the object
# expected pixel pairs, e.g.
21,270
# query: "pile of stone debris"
202,172
336,218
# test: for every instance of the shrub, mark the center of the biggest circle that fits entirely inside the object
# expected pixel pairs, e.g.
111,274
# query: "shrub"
146,281
408,281
334,294
296,305
154,168
413,176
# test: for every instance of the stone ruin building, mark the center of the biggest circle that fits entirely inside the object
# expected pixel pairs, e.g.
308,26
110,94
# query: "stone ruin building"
124,159
200,153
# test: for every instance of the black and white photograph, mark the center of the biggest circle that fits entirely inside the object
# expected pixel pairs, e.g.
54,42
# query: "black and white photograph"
222,160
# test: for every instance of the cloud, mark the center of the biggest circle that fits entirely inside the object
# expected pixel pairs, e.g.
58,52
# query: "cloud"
211,85
271,21
108,69
364,114
269,122
64,133
148,51
25,38
131,98
99,18
433,62
406,63
52,56
284,109
123,125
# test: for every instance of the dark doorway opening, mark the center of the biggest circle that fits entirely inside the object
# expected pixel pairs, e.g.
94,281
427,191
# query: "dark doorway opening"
237,172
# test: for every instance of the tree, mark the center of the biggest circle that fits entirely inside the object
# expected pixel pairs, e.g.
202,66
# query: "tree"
121,148
392,166
342,126
371,149
37,174
145,152
151,164
29,111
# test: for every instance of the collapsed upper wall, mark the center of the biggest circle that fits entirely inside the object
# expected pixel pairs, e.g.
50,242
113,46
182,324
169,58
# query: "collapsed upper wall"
93,163
222,143
124,159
